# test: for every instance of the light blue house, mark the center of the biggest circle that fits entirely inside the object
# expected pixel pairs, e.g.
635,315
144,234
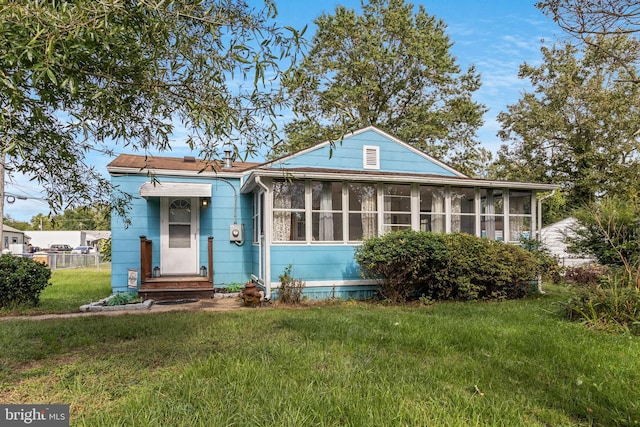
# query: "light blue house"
196,226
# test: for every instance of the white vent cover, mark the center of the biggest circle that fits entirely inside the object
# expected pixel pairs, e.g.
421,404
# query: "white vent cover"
370,157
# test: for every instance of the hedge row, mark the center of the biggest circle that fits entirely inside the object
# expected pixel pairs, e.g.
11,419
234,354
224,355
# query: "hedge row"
446,266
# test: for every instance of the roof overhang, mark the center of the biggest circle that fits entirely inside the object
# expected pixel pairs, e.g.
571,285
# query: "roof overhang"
250,184
174,189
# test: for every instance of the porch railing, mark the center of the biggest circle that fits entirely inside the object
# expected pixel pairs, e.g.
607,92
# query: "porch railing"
145,259
146,247
210,257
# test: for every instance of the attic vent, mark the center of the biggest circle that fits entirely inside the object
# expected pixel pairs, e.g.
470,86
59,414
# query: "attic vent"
189,159
370,157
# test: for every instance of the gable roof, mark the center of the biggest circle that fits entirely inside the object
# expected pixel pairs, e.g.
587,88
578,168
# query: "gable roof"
288,158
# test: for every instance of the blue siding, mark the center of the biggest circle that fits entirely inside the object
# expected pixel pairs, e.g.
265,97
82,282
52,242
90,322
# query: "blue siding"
144,221
394,157
232,263
314,262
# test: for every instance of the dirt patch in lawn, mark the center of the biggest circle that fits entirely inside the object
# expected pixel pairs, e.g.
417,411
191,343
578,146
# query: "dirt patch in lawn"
209,304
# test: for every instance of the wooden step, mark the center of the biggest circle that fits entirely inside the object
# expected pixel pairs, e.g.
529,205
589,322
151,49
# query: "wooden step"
174,294
176,283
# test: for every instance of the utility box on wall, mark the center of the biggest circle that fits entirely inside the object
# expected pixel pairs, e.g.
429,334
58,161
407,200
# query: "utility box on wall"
236,233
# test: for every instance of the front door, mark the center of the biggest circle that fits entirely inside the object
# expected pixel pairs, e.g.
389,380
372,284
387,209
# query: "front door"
179,235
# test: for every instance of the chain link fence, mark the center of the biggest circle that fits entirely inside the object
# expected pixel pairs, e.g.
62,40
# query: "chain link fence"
60,261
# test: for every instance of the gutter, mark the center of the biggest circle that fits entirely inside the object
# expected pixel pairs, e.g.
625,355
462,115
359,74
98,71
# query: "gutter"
399,177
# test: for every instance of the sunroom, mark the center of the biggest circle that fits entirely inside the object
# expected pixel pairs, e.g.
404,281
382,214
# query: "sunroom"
301,216
341,212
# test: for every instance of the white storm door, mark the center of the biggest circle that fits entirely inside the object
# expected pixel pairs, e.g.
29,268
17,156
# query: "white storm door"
179,235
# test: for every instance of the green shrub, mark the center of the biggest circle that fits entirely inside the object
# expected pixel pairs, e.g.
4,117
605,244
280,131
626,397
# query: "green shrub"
401,261
290,290
234,287
105,249
21,281
124,298
446,266
479,268
609,305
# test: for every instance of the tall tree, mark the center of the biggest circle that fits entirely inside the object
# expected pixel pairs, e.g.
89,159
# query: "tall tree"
81,75
579,126
586,19
18,225
392,68
96,217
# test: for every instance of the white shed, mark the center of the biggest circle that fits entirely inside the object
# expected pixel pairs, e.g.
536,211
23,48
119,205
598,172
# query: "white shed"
553,238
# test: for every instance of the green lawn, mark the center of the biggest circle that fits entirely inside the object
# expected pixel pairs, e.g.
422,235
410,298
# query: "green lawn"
352,364
69,290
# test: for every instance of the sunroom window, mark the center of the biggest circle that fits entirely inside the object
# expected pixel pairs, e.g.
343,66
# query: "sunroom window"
492,219
363,211
519,215
326,211
288,211
432,213
463,216
397,207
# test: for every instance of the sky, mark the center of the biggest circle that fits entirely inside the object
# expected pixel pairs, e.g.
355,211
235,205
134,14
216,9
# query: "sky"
496,36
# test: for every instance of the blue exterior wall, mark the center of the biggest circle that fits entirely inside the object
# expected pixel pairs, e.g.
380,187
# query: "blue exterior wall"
232,263
144,220
324,263
314,262
347,155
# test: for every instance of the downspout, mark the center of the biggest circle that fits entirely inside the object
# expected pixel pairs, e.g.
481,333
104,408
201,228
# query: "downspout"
539,235
265,244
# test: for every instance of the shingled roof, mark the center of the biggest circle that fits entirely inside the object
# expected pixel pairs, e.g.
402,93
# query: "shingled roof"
176,163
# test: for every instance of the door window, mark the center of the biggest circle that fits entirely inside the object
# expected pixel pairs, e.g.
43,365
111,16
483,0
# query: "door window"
179,223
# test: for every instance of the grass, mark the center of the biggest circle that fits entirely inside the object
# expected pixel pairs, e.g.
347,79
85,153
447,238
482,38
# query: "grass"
351,364
69,290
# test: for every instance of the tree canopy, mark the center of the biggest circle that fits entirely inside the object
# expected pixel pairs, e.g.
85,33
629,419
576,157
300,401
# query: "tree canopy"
79,76
96,217
588,19
578,127
388,67
584,18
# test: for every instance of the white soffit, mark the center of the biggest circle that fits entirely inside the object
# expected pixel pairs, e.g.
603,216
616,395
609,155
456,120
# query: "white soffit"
174,189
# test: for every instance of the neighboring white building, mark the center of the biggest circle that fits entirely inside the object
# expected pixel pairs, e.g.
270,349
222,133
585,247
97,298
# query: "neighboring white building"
44,239
553,237
12,236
